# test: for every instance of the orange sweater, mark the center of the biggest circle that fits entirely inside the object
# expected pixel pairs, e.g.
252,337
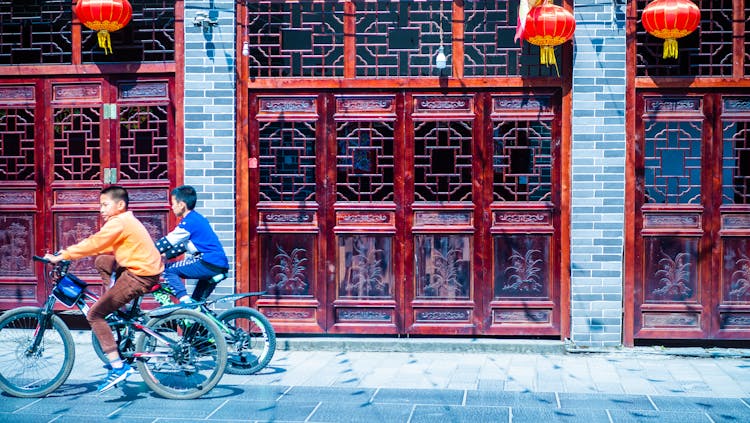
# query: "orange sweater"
126,237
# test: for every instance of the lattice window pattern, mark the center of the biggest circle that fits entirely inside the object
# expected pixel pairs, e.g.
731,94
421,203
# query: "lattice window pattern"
144,142
149,37
522,161
489,46
287,161
35,32
17,158
736,163
705,52
77,144
442,161
401,38
672,162
365,161
303,38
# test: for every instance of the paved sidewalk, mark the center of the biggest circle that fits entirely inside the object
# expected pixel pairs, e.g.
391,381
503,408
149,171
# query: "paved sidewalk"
535,385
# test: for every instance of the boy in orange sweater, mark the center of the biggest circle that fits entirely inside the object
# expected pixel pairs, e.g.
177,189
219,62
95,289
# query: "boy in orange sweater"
125,249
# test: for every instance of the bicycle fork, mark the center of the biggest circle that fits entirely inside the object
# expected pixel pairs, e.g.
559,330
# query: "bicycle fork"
44,321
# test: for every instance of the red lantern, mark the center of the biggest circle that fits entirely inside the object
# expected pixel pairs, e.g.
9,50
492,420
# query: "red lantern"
670,20
104,16
547,26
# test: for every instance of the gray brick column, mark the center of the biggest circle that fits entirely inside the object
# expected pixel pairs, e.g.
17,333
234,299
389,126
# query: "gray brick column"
210,118
598,173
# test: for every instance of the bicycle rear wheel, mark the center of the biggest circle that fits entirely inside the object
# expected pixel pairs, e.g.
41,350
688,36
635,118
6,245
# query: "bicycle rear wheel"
28,373
124,334
193,361
251,341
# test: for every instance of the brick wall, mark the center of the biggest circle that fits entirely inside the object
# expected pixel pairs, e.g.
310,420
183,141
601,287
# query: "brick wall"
210,119
598,173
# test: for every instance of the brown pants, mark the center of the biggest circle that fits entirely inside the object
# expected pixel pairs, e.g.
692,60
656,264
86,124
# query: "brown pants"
127,287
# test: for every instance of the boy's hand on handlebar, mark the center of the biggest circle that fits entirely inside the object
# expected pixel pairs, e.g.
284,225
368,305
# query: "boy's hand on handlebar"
53,258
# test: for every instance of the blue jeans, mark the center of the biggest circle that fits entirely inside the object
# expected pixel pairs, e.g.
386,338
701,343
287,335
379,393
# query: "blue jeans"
185,269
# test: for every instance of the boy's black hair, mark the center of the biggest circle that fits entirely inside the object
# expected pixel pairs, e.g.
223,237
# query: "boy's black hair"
117,193
187,195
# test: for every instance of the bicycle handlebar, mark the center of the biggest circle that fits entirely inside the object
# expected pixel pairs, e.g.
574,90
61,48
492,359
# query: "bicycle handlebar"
38,258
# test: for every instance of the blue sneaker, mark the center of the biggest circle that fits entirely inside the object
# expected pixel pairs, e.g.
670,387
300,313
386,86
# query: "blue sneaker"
115,376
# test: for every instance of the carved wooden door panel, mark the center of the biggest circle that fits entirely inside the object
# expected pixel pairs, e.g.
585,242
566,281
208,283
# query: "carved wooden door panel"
423,213
288,157
731,318
79,140
61,141
693,222
525,220
441,236
107,132
365,213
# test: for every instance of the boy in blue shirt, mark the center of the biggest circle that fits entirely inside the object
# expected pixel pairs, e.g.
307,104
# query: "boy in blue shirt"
205,258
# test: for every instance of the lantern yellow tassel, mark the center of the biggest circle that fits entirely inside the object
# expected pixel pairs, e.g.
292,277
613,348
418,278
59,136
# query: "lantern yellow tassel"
670,48
547,57
104,41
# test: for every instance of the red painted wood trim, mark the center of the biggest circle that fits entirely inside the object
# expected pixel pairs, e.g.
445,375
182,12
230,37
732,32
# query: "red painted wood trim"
244,252
738,40
564,166
400,83
178,97
458,38
350,40
91,69
628,327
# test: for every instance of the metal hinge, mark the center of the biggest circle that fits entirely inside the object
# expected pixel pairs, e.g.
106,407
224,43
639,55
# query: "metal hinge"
110,111
110,175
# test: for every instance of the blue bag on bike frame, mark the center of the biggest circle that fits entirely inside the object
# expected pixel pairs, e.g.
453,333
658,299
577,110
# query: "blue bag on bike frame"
69,289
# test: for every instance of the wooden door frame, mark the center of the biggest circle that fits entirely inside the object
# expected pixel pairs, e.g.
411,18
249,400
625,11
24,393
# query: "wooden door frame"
247,163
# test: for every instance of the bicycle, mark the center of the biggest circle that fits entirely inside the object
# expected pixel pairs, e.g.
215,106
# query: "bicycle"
250,337
179,353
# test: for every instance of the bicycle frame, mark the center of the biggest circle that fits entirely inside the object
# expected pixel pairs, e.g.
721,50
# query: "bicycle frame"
205,309
131,319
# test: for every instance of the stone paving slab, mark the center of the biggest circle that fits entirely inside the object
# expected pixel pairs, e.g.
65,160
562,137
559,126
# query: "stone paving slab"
412,386
130,402
589,373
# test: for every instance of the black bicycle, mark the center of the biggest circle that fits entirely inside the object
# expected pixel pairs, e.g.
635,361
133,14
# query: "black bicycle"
179,352
250,337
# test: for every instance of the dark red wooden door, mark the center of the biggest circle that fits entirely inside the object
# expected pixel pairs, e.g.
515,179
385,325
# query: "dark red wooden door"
87,133
693,219
407,212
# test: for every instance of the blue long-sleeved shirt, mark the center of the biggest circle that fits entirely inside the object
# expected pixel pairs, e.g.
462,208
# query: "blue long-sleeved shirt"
201,238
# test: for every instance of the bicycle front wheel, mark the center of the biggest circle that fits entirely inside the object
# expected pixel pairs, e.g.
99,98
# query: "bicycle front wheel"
31,369
186,360
251,340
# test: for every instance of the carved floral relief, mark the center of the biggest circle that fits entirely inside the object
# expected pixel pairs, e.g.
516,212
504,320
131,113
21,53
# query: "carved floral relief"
366,267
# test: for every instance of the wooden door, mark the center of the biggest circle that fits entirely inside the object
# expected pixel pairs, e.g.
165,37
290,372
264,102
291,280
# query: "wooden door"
108,131
21,194
692,222
407,212
287,159
64,139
